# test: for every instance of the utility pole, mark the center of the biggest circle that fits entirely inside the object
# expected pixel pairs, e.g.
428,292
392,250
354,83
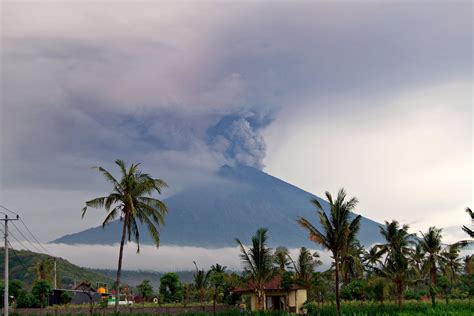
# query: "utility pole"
55,275
5,291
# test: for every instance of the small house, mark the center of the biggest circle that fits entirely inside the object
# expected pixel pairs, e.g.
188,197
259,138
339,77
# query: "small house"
276,298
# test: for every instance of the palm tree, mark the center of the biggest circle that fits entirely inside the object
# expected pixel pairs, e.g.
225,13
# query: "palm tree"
201,280
258,264
431,245
397,250
216,276
44,269
372,259
281,258
452,265
352,266
337,231
469,231
468,264
304,268
305,265
131,200
417,257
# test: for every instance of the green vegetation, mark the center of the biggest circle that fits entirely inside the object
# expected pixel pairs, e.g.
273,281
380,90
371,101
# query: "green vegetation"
41,291
130,199
412,308
24,267
171,290
145,290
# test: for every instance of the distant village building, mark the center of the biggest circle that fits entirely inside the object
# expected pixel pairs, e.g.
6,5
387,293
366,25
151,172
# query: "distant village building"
83,293
276,298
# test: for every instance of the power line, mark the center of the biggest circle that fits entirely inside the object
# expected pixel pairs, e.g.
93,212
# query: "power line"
19,259
39,243
28,230
25,238
16,239
6,209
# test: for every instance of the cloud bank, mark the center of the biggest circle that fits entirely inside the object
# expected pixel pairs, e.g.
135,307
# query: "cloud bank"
163,259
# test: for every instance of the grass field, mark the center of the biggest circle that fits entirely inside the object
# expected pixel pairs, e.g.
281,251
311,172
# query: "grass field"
457,307
409,308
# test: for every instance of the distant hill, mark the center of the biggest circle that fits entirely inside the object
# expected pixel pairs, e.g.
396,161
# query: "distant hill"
242,200
22,266
135,277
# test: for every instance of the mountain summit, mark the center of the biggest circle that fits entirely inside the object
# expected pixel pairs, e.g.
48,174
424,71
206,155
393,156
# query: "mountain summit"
242,200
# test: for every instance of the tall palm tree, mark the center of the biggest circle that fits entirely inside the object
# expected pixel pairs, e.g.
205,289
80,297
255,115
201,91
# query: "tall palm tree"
397,249
469,231
337,232
258,264
281,258
432,247
131,200
201,280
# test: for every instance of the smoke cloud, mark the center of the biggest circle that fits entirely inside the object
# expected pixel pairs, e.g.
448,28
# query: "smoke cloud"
238,138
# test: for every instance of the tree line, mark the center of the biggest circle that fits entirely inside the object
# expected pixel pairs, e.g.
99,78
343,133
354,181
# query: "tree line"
403,262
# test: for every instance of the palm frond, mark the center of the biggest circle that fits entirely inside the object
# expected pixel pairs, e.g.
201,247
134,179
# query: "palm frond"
110,217
313,233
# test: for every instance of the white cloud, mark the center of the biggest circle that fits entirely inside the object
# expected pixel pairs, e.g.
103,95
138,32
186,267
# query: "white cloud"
165,258
407,157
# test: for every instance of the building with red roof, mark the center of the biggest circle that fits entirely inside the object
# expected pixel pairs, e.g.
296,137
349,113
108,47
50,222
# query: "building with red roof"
276,297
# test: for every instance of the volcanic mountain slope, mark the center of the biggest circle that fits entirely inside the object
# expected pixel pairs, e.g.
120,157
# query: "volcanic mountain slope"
241,201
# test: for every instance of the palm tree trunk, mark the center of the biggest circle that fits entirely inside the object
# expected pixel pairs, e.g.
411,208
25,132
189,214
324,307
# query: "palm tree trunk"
260,300
399,294
338,303
119,269
215,298
433,287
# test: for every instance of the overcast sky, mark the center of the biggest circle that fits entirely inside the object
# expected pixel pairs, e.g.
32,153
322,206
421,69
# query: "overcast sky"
375,97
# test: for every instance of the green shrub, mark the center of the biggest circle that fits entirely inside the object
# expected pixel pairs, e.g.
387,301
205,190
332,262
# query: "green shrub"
355,290
27,300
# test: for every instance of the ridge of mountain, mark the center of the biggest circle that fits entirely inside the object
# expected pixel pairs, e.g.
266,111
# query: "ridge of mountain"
213,214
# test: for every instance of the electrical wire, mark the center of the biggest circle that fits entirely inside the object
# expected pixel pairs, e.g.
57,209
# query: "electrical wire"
25,238
18,258
38,242
19,242
28,230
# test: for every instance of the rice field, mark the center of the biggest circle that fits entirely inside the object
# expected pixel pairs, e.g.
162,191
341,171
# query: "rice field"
409,308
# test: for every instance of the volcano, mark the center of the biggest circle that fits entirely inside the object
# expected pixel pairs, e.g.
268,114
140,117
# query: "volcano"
240,201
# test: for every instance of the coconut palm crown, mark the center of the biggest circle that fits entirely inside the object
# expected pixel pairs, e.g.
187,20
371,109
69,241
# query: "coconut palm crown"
338,230
131,200
258,263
